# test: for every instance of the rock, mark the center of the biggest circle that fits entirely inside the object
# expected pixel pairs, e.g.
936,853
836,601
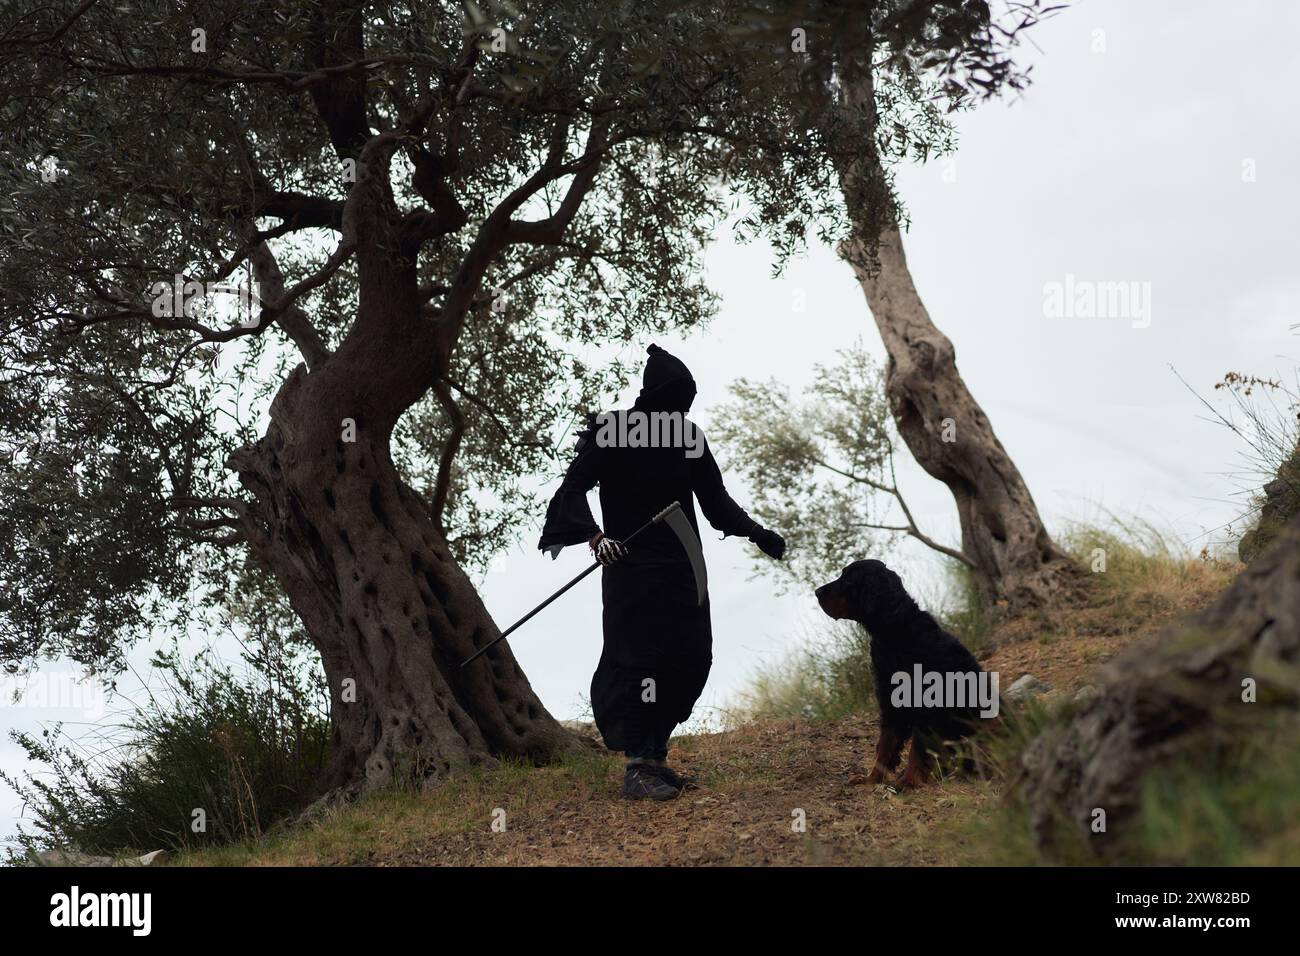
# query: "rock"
71,858
1281,503
1086,692
583,728
76,858
586,732
1026,687
1174,696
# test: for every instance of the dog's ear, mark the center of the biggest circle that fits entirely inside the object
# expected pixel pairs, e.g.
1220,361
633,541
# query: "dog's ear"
862,595
893,582
878,596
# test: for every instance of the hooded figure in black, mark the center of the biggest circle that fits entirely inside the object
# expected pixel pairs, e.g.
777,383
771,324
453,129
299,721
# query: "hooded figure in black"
658,640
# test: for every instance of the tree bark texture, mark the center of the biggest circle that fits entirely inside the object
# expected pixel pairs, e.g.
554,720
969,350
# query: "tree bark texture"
1015,559
947,432
1175,696
390,611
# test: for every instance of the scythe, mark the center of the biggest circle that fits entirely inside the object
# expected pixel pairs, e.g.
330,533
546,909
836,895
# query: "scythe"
675,518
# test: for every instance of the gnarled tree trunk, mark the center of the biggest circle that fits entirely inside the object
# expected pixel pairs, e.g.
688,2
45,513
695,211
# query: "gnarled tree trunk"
360,556
1180,694
1013,556
392,614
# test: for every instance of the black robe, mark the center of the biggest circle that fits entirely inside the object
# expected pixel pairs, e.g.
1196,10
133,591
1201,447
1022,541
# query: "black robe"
653,627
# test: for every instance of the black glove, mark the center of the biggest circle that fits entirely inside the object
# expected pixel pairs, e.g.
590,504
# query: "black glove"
607,550
769,542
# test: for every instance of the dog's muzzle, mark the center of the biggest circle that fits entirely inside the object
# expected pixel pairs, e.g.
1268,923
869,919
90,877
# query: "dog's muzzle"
832,601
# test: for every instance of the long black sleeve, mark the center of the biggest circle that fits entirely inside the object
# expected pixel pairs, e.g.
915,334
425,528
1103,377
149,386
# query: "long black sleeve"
719,507
568,517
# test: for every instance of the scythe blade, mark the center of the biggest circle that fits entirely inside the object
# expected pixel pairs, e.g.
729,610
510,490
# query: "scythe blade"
675,518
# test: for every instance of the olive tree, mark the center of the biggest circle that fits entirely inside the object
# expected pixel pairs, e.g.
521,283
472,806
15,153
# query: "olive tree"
432,205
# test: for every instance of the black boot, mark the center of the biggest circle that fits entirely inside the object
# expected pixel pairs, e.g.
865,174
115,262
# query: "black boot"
641,782
671,777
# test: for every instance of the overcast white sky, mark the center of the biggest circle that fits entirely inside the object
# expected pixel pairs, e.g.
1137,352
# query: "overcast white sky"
1117,166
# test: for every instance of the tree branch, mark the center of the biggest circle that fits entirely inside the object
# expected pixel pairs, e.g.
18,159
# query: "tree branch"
892,489
341,98
550,230
442,487
300,211
284,309
916,532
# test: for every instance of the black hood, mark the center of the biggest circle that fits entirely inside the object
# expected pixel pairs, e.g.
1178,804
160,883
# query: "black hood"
666,385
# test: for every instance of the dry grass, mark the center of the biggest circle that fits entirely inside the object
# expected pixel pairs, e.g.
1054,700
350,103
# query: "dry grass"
1147,581
759,778
759,783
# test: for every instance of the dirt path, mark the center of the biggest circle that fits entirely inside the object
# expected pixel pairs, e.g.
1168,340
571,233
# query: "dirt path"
759,783
777,792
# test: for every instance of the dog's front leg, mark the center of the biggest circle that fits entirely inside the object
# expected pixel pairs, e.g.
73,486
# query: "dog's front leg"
887,751
918,765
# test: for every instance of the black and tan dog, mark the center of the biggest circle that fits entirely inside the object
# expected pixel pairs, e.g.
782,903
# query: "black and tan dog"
905,640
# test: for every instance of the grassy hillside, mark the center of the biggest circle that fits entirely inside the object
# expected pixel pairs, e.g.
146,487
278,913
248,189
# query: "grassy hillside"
790,789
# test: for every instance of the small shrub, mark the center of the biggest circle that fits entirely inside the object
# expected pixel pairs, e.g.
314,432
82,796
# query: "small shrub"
830,677
246,749
964,613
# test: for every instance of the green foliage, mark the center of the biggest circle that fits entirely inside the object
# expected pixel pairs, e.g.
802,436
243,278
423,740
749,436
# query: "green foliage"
136,151
149,141
1234,806
819,468
87,472
246,748
1138,555
829,677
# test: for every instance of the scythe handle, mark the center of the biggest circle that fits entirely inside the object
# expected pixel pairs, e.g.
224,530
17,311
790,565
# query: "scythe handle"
529,616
